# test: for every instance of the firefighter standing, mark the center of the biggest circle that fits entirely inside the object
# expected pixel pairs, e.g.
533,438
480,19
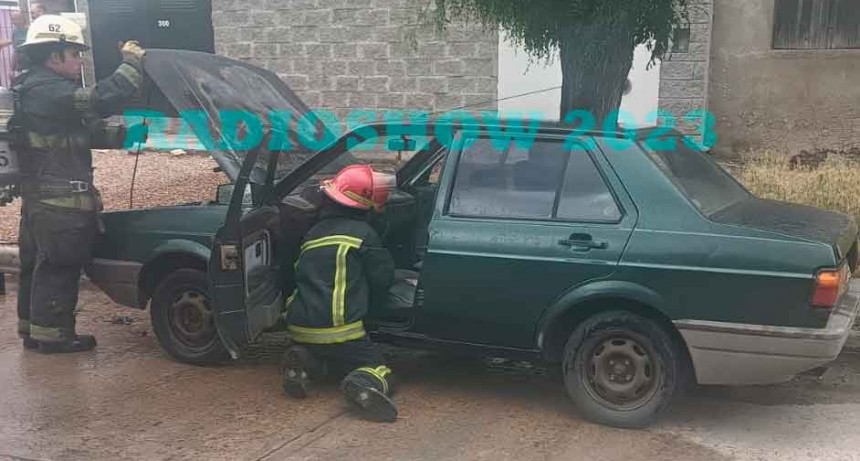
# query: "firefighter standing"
57,123
342,270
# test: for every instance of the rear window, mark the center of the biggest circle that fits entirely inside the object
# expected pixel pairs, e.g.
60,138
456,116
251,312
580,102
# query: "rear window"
708,186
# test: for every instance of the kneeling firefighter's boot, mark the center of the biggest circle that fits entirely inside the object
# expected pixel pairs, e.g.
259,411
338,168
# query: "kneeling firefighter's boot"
29,342
365,390
24,334
294,371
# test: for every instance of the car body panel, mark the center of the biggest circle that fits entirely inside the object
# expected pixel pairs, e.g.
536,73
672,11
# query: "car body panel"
719,271
801,221
136,239
737,353
118,279
467,257
142,234
503,284
594,291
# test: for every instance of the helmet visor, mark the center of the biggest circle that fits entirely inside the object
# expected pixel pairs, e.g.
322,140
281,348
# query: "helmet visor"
384,181
383,184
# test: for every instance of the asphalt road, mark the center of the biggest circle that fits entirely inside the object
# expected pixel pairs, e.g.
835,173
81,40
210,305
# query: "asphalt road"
128,400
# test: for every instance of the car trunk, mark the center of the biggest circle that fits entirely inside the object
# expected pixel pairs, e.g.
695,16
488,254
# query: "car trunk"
835,229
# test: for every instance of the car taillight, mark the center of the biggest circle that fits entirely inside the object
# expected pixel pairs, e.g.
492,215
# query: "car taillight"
830,284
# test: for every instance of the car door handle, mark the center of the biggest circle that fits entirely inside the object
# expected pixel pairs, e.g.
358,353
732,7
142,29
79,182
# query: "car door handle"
583,241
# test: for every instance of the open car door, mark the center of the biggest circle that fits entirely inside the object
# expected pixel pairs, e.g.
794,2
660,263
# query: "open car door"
225,103
244,273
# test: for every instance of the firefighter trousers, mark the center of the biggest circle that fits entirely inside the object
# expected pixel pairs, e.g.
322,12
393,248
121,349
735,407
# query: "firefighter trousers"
55,243
358,360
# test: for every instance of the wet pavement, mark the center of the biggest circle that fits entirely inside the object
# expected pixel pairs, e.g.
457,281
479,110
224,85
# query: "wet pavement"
129,400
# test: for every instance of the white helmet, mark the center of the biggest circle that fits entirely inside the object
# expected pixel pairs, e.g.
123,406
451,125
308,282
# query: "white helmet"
53,29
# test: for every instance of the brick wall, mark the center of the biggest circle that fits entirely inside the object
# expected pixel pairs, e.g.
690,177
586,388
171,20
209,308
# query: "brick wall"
341,55
684,75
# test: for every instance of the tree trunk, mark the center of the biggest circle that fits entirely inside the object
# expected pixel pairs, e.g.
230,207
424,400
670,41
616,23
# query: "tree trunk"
595,60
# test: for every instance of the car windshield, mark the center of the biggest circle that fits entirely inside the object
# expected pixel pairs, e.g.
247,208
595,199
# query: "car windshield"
708,186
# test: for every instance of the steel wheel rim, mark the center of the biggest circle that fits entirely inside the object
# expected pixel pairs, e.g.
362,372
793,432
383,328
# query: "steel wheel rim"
621,372
191,317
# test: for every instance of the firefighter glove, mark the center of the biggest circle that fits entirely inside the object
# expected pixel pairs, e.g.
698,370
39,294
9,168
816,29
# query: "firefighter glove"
132,53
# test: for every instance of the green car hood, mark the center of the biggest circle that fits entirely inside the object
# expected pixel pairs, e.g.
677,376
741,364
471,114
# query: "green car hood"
229,103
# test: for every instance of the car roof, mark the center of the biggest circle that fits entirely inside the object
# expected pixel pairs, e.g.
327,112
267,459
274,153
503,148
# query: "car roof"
542,126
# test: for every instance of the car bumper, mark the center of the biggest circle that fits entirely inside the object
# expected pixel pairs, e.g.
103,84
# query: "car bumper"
738,354
118,279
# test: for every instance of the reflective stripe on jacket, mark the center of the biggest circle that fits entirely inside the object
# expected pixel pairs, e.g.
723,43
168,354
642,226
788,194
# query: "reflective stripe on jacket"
342,270
61,122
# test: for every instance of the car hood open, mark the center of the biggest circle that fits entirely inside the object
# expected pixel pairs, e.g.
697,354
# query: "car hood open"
215,96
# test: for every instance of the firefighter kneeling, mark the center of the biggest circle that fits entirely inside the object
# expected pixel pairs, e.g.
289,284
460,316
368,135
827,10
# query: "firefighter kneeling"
342,270
57,122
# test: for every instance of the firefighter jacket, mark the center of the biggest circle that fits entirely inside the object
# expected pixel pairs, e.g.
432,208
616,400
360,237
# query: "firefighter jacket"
343,269
59,122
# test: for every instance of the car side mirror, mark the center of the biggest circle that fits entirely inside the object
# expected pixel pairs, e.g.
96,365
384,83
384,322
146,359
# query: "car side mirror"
402,144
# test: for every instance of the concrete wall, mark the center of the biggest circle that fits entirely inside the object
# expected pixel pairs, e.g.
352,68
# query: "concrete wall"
354,54
786,101
683,75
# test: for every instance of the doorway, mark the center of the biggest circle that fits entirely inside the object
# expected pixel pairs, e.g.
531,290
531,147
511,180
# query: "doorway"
165,24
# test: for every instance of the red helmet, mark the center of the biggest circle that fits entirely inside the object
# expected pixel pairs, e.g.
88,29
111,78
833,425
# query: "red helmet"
358,186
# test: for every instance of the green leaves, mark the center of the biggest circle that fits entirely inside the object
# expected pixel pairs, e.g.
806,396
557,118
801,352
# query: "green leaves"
538,25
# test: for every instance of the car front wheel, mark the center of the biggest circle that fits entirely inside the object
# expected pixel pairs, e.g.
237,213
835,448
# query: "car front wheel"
621,369
183,319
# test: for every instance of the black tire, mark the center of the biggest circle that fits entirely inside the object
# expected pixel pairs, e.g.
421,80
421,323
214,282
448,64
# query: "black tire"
621,369
179,320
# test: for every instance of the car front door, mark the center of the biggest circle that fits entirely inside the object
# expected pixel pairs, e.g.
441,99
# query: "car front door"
517,226
245,280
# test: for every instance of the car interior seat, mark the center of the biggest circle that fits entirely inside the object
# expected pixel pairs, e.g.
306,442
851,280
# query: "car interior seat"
402,292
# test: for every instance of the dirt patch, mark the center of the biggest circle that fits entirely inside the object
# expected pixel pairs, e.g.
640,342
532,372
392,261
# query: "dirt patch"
162,179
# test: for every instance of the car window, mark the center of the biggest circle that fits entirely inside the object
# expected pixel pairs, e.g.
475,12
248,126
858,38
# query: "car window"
585,195
373,151
436,172
703,181
508,181
432,175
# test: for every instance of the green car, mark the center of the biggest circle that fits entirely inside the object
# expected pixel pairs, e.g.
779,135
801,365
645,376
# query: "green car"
630,260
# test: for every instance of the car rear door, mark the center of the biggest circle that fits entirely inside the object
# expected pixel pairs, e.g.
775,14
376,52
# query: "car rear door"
515,228
245,279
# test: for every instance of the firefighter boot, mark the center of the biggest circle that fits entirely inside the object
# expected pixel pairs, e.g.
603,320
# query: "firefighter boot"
30,343
61,340
294,370
24,334
77,343
365,391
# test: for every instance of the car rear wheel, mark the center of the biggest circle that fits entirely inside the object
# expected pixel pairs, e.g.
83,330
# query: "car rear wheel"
621,369
183,319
